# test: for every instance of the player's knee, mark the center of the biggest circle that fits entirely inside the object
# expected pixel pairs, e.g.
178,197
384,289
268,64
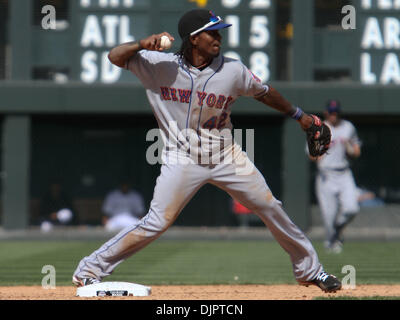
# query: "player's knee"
166,218
351,209
263,203
159,221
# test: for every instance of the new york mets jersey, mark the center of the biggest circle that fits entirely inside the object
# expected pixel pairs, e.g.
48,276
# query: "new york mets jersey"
193,105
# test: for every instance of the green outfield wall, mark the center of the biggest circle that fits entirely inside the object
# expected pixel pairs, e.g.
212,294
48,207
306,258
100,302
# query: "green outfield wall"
79,133
87,123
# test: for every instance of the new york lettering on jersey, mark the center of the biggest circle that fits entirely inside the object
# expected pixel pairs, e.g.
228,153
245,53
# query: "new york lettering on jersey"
212,100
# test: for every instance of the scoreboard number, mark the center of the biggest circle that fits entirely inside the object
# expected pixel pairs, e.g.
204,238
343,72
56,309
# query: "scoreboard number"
254,4
260,4
233,31
259,37
259,64
259,33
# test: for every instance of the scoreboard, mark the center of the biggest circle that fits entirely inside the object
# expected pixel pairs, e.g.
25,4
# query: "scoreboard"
370,53
378,25
99,25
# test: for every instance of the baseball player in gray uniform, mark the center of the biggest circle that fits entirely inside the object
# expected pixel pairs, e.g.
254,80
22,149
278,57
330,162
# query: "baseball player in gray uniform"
191,94
335,187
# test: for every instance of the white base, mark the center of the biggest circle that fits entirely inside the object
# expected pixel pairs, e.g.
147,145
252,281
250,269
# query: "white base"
113,289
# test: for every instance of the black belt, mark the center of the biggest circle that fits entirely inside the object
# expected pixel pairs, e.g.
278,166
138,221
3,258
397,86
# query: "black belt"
336,169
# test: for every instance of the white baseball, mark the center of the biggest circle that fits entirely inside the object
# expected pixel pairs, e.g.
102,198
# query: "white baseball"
165,43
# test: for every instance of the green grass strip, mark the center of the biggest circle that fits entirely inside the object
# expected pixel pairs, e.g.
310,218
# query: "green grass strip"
196,262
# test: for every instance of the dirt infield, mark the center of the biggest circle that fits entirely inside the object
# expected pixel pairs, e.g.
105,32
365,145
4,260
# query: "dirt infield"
208,292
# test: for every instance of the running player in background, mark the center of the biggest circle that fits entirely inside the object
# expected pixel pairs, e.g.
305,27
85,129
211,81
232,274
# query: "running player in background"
336,190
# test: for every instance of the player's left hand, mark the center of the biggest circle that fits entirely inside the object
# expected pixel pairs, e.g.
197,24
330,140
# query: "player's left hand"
318,137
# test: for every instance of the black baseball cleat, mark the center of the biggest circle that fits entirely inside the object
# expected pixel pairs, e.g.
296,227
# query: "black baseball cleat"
325,281
84,282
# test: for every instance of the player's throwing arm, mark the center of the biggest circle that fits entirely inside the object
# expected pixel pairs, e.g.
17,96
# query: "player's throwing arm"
122,53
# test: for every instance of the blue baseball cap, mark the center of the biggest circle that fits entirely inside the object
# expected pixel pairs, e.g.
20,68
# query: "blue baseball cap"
333,106
198,20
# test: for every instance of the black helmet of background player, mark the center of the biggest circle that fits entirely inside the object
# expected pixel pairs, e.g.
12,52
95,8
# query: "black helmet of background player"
195,21
333,111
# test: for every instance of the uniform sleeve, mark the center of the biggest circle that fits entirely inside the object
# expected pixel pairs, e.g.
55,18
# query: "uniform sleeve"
248,84
354,139
143,66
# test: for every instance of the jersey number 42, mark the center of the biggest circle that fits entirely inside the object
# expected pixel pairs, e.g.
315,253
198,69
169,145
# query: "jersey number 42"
216,122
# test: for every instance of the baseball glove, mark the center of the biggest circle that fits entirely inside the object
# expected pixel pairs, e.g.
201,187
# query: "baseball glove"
318,137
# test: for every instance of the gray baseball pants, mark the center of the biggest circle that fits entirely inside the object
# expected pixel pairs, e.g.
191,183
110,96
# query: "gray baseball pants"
175,186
